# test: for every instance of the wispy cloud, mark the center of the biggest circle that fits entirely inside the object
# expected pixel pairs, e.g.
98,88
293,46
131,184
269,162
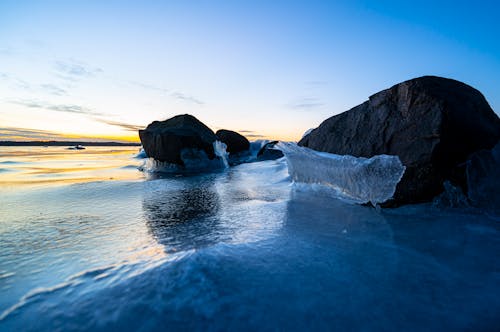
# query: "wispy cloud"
123,125
13,133
36,44
149,87
72,109
53,89
73,70
250,134
15,82
316,83
180,96
67,108
187,98
6,51
254,136
306,104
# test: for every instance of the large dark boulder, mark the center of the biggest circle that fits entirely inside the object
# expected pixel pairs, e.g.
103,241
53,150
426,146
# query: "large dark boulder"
164,140
433,124
235,142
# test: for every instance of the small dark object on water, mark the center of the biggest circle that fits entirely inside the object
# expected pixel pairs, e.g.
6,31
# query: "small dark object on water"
76,147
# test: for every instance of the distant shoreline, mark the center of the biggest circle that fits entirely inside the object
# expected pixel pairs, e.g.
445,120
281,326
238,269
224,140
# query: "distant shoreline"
65,143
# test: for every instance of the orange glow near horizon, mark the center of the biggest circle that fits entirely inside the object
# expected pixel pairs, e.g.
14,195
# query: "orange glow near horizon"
75,137
131,137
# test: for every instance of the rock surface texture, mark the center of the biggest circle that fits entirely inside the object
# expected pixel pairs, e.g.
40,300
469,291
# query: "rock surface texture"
433,124
268,152
234,141
164,140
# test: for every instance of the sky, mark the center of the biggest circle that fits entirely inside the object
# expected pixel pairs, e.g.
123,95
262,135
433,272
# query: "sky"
100,70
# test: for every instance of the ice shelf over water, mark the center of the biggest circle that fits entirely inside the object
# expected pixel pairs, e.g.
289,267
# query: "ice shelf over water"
359,180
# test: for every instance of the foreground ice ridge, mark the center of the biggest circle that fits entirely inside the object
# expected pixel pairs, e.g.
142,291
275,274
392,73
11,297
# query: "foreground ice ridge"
359,180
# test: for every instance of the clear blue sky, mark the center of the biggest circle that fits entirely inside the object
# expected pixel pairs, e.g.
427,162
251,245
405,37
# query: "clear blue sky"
268,68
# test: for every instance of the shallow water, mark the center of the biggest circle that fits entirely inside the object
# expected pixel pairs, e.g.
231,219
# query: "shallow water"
237,249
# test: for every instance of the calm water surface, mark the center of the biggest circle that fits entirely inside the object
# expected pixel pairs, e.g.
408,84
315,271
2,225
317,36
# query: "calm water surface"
55,165
87,242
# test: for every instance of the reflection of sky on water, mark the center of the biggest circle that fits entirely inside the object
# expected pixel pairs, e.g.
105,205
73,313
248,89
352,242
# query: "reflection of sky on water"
43,166
49,233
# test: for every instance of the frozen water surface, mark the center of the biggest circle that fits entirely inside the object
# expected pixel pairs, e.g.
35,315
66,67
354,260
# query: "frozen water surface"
237,249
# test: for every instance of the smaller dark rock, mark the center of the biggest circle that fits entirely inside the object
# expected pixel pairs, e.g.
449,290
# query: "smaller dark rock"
234,141
268,152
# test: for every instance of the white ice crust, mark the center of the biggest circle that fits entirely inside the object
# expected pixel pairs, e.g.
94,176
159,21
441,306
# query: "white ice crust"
220,151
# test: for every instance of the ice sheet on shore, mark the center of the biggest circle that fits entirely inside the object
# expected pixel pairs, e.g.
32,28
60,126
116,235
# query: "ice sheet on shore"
358,180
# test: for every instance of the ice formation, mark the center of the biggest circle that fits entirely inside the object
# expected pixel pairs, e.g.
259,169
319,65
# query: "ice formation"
141,154
483,179
359,180
220,151
451,197
247,156
194,161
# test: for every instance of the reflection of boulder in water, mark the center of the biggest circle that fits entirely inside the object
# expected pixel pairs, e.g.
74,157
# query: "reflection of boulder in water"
182,217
